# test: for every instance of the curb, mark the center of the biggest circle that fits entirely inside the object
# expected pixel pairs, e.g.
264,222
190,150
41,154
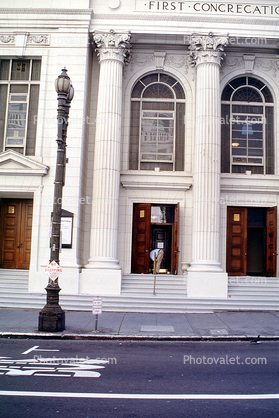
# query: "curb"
60,336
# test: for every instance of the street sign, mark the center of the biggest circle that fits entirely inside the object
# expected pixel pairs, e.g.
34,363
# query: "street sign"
97,306
53,270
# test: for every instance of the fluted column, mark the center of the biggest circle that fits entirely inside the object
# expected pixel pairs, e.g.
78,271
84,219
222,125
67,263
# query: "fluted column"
113,51
206,53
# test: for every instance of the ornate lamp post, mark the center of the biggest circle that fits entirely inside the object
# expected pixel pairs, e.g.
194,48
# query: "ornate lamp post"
52,317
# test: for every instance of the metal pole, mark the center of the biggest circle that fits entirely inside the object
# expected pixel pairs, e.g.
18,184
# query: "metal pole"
52,317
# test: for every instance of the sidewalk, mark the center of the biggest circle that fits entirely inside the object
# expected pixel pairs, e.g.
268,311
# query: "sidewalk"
21,323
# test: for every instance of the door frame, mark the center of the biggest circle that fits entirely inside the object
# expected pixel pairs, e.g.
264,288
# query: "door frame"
236,239
141,245
17,243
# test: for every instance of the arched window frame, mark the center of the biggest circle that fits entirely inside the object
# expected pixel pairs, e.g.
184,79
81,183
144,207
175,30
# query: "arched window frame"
229,163
170,113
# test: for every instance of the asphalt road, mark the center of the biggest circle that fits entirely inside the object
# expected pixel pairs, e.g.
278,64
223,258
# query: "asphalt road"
82,379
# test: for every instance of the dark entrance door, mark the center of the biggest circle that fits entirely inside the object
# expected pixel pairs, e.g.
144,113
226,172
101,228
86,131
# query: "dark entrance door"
251,241
16,230
161,238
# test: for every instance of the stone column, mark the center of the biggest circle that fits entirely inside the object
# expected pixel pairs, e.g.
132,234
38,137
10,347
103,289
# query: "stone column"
206,278
105,274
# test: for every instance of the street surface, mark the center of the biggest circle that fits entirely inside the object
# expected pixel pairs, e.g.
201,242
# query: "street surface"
130,379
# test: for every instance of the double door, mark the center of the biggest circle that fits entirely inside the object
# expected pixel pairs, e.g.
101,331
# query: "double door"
251,241
16,231
155,226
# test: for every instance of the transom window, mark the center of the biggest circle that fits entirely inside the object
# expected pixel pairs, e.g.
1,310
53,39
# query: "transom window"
157,124
19,94
247,127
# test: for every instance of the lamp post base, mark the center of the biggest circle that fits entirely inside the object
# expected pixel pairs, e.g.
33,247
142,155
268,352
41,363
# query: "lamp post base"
52,316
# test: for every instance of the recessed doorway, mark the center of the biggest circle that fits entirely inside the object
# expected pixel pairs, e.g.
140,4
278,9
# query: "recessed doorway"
251,241
155,226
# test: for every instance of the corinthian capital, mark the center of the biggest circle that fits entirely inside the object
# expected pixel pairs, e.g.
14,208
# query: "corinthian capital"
113,45
207,48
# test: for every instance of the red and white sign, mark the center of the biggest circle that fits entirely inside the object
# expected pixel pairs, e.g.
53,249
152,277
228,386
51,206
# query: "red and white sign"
97,305
53,270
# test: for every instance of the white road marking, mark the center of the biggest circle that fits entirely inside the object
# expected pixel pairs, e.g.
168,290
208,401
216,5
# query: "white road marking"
36,348
30,349
138,395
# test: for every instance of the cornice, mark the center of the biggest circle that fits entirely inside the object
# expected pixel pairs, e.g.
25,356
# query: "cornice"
176,18
47,11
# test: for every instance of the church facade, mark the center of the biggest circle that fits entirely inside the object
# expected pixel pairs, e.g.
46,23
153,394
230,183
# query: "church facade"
172,141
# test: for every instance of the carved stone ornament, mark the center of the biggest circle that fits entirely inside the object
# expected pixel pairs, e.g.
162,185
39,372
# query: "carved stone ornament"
42,39
113,45
207,48
7,39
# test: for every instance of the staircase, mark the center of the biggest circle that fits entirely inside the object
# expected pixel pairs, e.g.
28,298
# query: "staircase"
245,294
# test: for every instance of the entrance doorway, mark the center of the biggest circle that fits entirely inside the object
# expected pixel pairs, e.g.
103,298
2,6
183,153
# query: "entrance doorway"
16,231
251,241
155,226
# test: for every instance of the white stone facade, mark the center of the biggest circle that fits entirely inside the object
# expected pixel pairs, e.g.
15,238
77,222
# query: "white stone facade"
108,47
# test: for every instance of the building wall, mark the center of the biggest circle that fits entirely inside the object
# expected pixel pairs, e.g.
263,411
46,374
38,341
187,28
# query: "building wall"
68,43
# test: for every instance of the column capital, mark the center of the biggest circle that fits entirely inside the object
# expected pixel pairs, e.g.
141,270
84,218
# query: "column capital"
113,45
207,48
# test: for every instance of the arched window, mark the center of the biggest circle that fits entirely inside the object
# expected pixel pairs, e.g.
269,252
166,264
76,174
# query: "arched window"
247,127
157,124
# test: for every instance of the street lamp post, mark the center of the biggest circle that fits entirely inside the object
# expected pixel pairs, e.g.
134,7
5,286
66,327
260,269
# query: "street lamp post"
52,317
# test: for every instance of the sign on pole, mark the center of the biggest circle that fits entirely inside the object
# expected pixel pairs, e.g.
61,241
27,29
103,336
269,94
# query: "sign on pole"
53,270
97,305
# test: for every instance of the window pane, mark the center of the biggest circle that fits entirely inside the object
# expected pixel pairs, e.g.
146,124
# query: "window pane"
237,82
255,82
20,69
269,133
165,78
19,88
247,109
158,91
3,103
179,91
32,120
225,138
16,124
246,94
134,136
36,70
227,92
4,69
158,105
150,78
138,89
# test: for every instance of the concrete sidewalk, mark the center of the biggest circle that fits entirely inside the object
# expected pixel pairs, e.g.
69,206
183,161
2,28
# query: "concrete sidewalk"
21,323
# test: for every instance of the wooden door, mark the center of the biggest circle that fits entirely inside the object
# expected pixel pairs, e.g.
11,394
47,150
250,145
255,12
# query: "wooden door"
16,231
237,241
175,241
141,238
271,238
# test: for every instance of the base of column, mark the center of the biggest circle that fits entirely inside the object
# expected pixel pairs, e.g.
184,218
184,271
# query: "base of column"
103,263
205,266
100,281
207,285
